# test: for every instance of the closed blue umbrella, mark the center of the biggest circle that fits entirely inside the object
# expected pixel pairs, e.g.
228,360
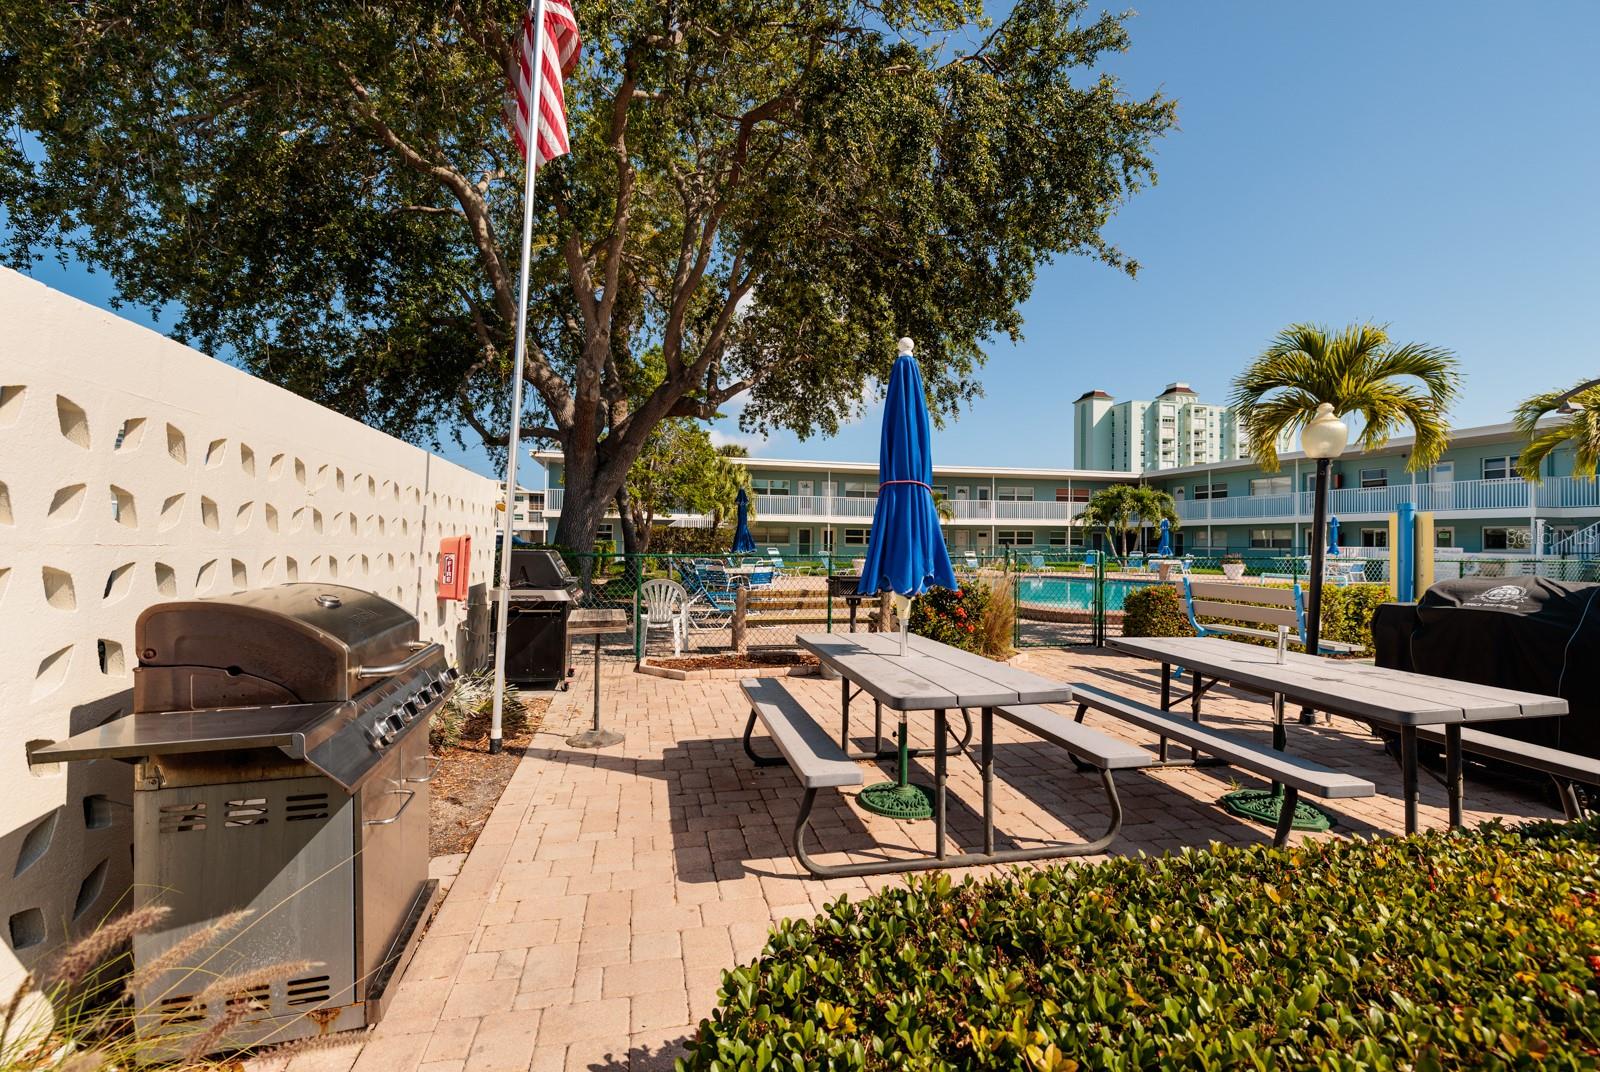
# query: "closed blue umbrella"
905,552
1164,548
743,542
1333,535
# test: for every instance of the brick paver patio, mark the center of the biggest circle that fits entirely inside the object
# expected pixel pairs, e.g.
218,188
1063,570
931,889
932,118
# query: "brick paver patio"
588,928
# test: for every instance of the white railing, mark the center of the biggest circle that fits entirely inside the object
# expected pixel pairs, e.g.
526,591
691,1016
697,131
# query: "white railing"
1458,497
1455,498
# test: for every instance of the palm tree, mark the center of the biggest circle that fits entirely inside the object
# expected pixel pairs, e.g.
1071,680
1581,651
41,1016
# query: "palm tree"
1581,429
942,507
1356,370
1123,509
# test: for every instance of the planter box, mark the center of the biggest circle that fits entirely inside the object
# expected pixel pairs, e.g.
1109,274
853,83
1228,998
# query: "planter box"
647,666
1233,570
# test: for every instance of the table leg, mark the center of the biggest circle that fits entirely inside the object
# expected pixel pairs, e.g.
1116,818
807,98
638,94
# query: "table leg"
844,713
939,731
1280,739
1452,771
986,751
1166,702
1408,775
597,682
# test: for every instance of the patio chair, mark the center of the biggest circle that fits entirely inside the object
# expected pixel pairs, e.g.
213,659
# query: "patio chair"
711,599
664,602
970,559
1037,562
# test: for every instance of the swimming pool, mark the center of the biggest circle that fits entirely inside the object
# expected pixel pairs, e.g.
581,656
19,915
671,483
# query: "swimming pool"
1073,593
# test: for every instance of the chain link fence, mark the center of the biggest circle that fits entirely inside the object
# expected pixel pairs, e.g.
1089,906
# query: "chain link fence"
1061,597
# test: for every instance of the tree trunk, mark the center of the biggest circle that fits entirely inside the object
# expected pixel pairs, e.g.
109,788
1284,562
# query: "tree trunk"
591,484
630,527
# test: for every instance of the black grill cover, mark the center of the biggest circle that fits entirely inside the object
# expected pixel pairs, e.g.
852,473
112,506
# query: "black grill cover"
1525,633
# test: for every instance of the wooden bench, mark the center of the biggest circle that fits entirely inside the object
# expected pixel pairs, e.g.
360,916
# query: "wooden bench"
804,748
1257,605
1564,768
1296,775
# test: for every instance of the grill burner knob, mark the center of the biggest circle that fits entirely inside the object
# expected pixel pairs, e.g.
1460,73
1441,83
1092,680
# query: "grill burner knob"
408,710
329,601
375,735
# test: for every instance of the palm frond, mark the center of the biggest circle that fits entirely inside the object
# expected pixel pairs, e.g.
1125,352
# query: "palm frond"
1355,370
1580,431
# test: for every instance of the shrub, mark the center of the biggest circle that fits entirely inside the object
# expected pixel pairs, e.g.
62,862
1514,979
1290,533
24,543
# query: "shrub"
952,617
1154,610
1432,952
1158,610
466,710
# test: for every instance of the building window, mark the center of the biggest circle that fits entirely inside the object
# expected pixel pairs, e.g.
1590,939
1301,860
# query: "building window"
1375,537
1375,478
1060,538
1014,538
859,489
1444,537
1210,491
1014,494
827,539
765,534
602,532
762,485
1515,538
1072,495
1272,538
1272,485
856,537
1499,469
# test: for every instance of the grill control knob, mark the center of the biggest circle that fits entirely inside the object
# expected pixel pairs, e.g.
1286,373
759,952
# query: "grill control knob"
408,710
375,735
451,673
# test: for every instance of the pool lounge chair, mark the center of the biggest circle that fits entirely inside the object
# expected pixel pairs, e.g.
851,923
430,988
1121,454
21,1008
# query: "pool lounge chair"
711,599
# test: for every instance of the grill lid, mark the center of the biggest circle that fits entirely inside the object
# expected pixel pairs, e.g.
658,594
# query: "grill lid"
295,643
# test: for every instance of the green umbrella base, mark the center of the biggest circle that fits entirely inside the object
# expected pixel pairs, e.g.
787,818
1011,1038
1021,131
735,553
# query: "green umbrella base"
897,801
1264,806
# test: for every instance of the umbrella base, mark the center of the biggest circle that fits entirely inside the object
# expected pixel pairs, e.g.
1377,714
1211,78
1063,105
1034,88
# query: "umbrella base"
897,801
594,739
1264,806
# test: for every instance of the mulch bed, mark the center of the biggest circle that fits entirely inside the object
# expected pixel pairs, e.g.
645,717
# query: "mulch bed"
754,660
468,780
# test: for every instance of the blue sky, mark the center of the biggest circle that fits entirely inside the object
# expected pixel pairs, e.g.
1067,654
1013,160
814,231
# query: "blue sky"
1435,166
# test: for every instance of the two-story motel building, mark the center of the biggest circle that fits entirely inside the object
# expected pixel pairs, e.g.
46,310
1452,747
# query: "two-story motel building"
1478,502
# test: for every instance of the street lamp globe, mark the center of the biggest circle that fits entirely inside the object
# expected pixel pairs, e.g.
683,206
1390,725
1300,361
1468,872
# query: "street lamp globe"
1325,436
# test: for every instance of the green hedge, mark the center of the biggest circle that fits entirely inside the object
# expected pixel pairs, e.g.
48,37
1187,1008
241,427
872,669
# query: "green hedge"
1422,953
1157,610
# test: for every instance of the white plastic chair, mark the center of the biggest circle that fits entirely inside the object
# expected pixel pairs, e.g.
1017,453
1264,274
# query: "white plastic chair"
665,604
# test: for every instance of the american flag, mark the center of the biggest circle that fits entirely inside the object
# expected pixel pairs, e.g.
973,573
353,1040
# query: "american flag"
560,49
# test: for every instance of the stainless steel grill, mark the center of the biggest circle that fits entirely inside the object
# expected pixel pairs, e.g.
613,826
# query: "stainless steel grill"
280,750
542,595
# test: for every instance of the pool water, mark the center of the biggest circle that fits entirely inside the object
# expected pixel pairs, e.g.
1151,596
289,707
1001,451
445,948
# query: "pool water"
1073,593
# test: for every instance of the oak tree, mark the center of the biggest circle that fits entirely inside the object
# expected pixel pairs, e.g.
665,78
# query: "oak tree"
768,191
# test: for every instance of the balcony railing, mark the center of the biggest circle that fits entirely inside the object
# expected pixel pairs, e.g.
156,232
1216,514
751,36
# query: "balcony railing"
1458,497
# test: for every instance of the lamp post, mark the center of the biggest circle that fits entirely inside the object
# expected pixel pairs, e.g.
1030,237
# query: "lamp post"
1324,440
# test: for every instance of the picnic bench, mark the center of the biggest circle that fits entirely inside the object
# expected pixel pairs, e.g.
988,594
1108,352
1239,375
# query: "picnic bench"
930,677
1295,774
1566,769
1394,699
1256,605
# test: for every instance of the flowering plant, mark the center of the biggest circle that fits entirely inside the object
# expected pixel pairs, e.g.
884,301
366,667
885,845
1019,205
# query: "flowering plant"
951,616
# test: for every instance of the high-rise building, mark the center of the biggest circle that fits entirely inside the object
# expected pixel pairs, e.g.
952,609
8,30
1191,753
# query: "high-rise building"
1172,430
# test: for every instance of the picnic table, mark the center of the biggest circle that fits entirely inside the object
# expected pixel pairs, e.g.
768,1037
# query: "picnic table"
934,677
1395,699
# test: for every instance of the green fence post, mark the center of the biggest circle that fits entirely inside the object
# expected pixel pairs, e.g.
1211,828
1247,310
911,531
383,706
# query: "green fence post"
827,588
1016,610
638,583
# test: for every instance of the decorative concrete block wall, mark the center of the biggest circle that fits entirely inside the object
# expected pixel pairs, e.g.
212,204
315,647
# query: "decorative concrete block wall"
135,470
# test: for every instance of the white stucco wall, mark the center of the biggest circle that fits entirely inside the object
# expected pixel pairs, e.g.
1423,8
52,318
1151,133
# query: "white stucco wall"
134,470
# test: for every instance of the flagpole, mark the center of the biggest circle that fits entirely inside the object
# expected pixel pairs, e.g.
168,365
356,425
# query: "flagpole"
513,443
